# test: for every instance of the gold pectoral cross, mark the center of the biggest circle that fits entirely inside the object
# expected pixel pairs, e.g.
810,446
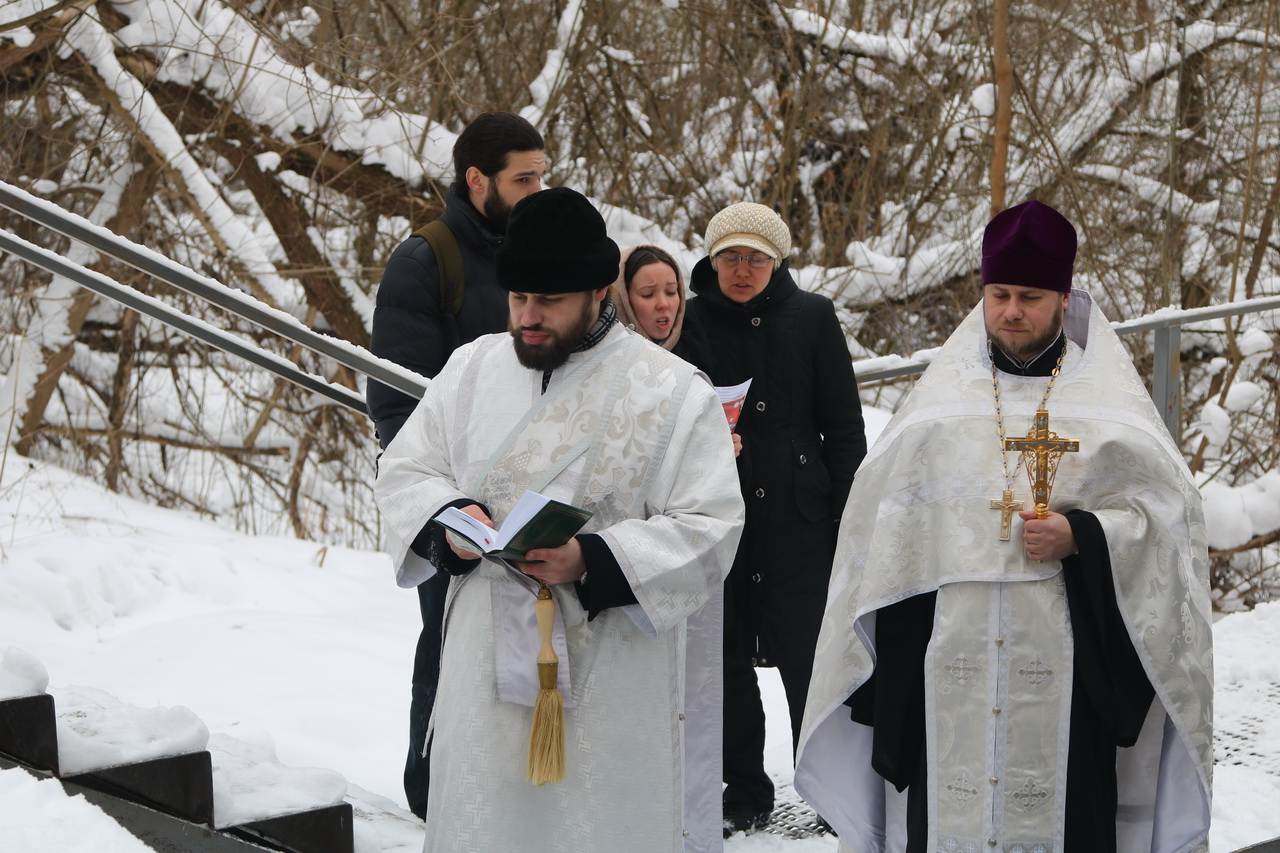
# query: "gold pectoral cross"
1041,450
1007,506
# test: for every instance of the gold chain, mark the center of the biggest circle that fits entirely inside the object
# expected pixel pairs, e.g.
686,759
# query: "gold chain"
1000,433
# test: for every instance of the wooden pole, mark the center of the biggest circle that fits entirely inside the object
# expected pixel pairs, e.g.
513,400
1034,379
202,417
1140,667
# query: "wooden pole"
1004,105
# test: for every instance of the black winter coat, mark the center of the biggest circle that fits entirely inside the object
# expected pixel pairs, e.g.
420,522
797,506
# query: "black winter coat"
802,441
409,327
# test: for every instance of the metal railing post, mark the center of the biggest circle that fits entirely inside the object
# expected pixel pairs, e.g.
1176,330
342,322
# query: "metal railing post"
1166,379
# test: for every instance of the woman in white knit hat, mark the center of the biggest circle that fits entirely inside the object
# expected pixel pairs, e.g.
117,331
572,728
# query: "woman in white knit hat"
802,439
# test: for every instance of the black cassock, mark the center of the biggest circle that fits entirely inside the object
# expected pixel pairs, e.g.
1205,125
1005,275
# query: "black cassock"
1110,698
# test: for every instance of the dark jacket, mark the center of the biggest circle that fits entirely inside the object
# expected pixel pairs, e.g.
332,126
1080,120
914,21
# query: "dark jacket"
802,437
409,327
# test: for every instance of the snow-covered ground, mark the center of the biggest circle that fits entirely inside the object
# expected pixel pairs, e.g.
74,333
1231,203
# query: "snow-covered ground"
289,649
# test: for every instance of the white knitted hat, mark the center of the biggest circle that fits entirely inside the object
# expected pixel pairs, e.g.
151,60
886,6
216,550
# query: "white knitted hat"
749,224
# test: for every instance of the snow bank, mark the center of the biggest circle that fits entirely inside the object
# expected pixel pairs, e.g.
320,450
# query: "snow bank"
1240,643
1246,777
250,783
37,815
160,607
21,674
96,730
1244,805
381,826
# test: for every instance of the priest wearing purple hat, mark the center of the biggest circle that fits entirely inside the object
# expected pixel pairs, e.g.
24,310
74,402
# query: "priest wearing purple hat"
1016,652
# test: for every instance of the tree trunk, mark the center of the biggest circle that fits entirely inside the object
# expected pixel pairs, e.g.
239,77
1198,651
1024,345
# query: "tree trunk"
120,398
49,342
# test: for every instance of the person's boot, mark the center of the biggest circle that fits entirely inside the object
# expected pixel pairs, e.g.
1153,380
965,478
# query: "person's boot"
743,817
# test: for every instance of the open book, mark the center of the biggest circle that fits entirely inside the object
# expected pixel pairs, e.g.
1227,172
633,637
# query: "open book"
732,397
536,521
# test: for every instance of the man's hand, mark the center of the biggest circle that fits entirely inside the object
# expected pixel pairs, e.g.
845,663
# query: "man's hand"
556,565
737,444
459,545
1047,539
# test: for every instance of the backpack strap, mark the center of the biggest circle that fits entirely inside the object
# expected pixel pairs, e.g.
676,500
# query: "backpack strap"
444,245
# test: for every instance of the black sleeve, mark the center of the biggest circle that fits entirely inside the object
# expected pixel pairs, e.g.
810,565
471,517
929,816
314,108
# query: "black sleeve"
1107,664
837,408
892,700
408,328
431,546
604,585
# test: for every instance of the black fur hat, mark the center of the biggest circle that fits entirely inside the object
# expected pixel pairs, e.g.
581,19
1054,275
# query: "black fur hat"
556,243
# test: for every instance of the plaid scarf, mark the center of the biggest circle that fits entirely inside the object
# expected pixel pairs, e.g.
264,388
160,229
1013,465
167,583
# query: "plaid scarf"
608,316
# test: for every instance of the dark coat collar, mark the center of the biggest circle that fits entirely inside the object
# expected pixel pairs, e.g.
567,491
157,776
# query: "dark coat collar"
467,223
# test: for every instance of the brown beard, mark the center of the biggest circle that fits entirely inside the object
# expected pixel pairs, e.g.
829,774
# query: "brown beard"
553,354
1035,347
496,211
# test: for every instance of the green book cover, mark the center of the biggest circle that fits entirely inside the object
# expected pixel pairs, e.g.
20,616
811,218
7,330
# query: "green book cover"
536,521
553,525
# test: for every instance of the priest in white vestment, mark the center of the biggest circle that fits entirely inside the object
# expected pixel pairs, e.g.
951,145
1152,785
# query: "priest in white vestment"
987,680
573,405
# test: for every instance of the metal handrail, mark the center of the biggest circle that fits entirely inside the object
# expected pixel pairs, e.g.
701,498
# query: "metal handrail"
870,369
1168,317
196,328
229,299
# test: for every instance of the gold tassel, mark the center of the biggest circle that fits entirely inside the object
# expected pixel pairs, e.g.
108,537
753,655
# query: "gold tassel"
546,736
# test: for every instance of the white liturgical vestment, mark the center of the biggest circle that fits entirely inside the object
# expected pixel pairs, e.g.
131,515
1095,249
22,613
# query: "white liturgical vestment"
998,667
638,437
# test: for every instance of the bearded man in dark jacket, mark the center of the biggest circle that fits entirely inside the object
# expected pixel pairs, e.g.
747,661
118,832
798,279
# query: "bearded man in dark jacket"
498,160
802,441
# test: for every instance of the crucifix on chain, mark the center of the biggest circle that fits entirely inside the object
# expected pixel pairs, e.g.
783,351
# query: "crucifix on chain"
1007,506
1041,450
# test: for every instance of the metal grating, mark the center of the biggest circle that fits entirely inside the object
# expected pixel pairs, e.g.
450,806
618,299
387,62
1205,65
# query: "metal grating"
792,817
1240,737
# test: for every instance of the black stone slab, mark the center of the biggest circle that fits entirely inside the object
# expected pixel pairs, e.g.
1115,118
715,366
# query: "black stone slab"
29,731
161,832
325,830
181,785
1272,846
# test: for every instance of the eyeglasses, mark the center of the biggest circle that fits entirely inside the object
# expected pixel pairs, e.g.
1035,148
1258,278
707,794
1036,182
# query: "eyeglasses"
755,260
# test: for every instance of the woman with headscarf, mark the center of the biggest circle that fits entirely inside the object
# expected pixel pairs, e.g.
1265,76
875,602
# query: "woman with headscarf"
649,295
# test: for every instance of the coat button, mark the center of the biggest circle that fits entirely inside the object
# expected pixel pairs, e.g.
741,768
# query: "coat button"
682,717
755,321
760,407
760,492
991,842
996,710
803,459
995,780
756,577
